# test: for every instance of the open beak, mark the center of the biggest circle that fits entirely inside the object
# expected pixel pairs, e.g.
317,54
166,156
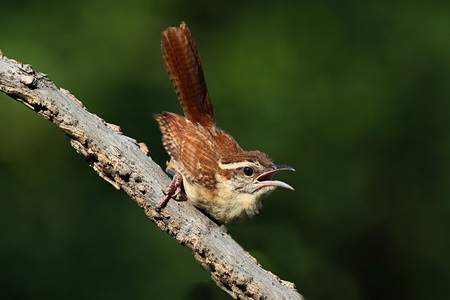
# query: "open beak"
265,178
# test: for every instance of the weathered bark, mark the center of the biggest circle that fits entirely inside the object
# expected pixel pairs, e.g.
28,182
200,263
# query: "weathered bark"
126,164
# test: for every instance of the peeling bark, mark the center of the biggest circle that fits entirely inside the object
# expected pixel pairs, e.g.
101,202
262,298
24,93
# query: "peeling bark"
127,165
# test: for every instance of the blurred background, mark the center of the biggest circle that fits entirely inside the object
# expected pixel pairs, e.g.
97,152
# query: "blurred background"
355,96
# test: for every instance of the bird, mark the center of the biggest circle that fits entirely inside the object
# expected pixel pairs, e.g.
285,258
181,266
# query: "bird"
208,165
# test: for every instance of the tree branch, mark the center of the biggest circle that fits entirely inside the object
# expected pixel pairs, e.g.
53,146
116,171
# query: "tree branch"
126,164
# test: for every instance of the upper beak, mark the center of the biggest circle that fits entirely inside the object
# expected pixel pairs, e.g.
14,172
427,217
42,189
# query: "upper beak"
266,177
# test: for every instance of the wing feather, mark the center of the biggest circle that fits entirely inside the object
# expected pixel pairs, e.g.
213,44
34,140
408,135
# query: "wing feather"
191,148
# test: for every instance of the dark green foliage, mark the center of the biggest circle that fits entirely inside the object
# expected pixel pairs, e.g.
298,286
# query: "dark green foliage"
356,97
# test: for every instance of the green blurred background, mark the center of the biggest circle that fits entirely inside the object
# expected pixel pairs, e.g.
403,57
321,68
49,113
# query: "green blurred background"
354,95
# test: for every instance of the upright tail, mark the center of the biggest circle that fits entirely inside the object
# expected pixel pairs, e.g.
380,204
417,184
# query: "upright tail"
185,71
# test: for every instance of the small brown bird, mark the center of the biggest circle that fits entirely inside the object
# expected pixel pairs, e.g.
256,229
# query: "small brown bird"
217,176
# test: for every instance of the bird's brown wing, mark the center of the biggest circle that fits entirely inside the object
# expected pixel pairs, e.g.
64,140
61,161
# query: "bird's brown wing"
186,73
191,148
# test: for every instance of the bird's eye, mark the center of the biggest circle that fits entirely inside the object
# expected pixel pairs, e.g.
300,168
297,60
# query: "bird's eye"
248,171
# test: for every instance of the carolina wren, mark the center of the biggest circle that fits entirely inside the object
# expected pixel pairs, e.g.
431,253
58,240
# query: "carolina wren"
217,176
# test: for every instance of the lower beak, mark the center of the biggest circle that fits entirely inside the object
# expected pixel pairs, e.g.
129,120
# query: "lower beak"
265,178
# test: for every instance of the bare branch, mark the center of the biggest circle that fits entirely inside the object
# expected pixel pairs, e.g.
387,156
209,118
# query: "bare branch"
126,164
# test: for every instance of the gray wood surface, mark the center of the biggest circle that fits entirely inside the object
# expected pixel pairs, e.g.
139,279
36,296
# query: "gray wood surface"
125,164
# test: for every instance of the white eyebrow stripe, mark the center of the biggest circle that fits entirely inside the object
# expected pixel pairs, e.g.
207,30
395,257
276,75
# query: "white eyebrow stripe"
234,166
